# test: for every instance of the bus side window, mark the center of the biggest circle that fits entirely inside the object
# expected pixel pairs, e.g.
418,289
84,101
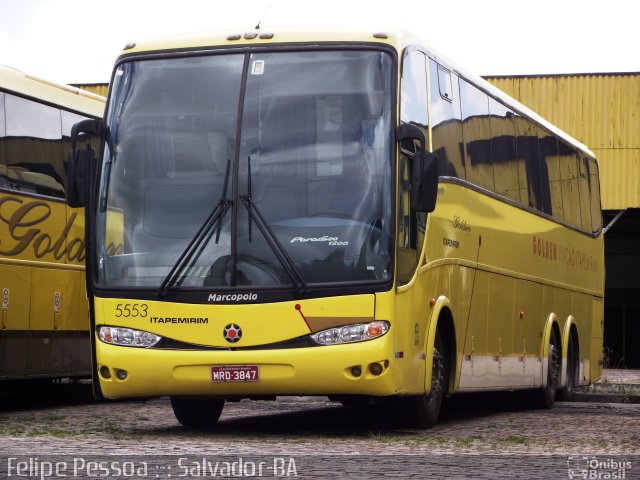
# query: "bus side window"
585,193
530,179
550,165
3,128
413,109
503,148
594,188
34,148
477,135
446,125
4,181
570,189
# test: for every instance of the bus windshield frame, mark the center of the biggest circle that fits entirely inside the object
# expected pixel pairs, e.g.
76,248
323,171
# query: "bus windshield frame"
249,169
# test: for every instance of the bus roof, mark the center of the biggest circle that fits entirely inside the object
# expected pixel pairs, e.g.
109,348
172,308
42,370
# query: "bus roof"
397,39
71,98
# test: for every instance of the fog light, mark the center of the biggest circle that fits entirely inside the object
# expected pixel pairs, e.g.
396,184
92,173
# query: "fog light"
356,371
104,372
121,374
375,369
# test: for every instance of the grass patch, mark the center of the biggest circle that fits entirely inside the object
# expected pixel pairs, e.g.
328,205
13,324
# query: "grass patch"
465,442
13,430
51,418
517,439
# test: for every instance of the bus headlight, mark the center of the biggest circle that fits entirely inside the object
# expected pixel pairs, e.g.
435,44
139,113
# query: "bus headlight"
351,333
128,337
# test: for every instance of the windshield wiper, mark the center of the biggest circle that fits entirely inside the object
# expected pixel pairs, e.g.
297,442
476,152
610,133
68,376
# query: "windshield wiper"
191,253
273,242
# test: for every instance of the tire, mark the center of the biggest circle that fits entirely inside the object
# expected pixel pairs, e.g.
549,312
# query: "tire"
547,395
199,413
423,411
566,392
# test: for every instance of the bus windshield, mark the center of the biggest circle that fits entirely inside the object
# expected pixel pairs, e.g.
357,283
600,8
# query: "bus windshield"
248,169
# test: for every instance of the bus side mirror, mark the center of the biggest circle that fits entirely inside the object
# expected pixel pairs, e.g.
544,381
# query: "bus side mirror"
424,182
79,163
424,174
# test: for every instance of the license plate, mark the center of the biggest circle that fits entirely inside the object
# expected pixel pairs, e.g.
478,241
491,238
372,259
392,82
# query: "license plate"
235,373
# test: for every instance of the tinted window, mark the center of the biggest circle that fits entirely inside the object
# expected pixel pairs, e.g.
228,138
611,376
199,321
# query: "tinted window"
34,153
446,125
3,160
2,120
68,121
527,148
585,193
594,185
414,109
172,125
310,192
550,167
444,82
503,148
474,105
569,176
413,106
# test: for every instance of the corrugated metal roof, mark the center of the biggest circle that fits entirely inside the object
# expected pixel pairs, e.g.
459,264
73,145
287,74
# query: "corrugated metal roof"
97,88
600,110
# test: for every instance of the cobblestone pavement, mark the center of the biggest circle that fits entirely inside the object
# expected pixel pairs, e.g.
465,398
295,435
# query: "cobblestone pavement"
479,436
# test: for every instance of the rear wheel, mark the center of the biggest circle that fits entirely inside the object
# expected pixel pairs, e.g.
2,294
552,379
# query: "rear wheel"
566,392
546,396
197,412
423,411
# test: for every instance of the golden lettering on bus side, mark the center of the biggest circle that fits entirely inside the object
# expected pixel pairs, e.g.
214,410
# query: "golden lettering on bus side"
75,250
569,256
32,214
19,220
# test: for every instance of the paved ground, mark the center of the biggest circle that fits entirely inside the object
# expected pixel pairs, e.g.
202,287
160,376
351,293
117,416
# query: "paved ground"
619,386
479,436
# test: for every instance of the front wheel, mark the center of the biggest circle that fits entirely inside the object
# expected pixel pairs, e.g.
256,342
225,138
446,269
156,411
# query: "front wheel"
197,412
423,411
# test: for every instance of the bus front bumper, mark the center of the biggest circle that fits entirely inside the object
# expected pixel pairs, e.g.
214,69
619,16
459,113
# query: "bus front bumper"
322,370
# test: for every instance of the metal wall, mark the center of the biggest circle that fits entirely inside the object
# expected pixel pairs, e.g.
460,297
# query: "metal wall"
600,110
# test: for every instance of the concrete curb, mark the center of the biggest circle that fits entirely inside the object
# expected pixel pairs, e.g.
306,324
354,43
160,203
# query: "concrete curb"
615,386
605,397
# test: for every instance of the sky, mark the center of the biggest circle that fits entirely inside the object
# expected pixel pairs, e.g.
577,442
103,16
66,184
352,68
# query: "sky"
77,41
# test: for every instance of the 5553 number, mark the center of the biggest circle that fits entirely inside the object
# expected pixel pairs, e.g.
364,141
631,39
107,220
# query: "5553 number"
131,310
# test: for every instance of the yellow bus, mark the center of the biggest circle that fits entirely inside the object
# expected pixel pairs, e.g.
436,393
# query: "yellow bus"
335,213
45,328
